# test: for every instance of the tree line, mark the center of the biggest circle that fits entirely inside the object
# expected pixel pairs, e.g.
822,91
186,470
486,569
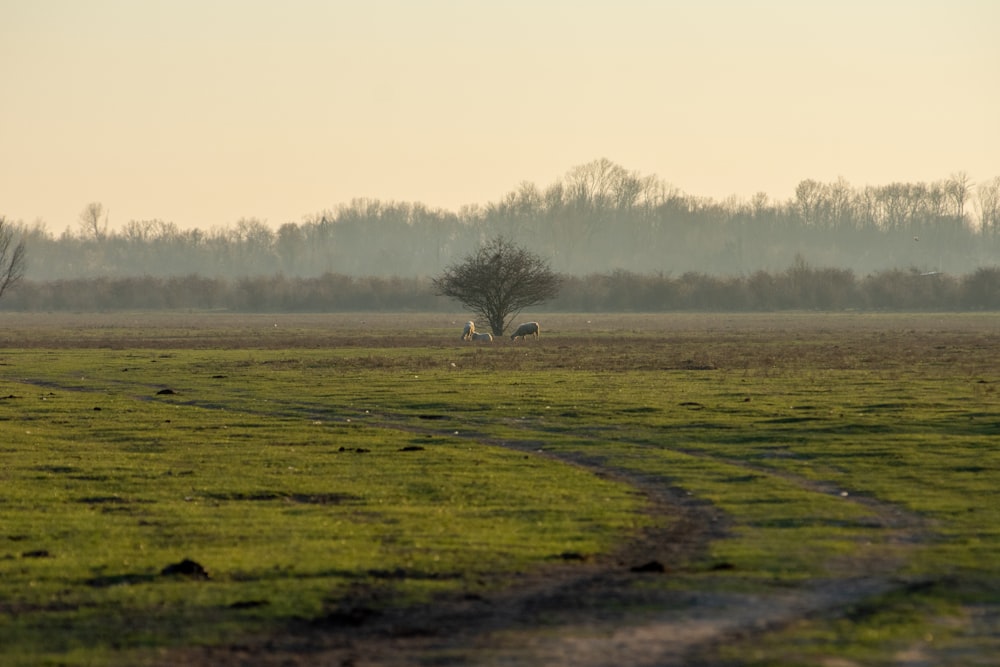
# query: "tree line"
598,218
797,287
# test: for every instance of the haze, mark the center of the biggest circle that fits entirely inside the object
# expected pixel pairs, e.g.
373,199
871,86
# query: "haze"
202,112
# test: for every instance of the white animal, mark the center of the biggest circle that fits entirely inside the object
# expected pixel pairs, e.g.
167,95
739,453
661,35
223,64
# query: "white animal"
469,330
524,330
485,335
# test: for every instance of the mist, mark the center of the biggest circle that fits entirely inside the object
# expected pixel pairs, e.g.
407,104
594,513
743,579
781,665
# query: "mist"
599,218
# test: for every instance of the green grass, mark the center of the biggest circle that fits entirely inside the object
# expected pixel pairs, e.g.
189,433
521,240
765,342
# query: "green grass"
270,478
293,473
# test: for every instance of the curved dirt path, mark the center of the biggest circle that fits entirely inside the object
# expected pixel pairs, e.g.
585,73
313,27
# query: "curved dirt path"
586,613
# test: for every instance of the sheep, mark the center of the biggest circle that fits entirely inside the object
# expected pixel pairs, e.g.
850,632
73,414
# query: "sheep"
469,331
524,330
485,335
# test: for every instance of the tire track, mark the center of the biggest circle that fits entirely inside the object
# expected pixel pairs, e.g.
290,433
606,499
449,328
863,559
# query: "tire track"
589,613
593,614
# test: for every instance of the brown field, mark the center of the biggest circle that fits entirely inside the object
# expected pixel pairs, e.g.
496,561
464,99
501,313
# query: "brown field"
958,342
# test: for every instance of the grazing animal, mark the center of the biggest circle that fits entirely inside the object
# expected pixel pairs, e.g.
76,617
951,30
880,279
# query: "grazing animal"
524,330
485,335
469,330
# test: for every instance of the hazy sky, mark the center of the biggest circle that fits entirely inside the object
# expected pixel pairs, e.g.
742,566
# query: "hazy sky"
202,112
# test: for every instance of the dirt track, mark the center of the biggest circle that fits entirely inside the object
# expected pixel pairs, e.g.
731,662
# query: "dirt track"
585,614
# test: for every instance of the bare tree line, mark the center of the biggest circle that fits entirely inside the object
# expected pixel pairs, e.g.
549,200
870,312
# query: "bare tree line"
599,218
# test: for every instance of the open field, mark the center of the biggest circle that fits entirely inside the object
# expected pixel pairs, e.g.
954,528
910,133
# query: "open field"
367,489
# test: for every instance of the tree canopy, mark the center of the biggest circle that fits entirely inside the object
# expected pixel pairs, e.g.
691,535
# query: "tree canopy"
498,281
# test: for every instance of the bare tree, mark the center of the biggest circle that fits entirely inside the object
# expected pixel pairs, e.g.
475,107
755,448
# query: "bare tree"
11,256
988,203
498,281
810,201
91,225
959,189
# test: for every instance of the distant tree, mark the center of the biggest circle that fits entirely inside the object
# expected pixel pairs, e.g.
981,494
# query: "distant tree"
498,281
988,203
11,256
959,189
810,200
91,225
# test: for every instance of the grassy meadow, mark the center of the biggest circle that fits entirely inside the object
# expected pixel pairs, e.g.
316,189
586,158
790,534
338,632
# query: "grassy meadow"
297,458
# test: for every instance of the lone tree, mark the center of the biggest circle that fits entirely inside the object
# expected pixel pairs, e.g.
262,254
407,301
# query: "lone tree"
11,257
498,281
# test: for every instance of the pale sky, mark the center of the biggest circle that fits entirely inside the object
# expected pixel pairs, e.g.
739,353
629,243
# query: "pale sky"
202,112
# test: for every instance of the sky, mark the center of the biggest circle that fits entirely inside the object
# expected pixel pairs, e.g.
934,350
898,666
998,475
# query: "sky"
204,112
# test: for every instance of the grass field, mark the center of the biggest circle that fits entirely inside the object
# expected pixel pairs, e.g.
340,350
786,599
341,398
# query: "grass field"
323,468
